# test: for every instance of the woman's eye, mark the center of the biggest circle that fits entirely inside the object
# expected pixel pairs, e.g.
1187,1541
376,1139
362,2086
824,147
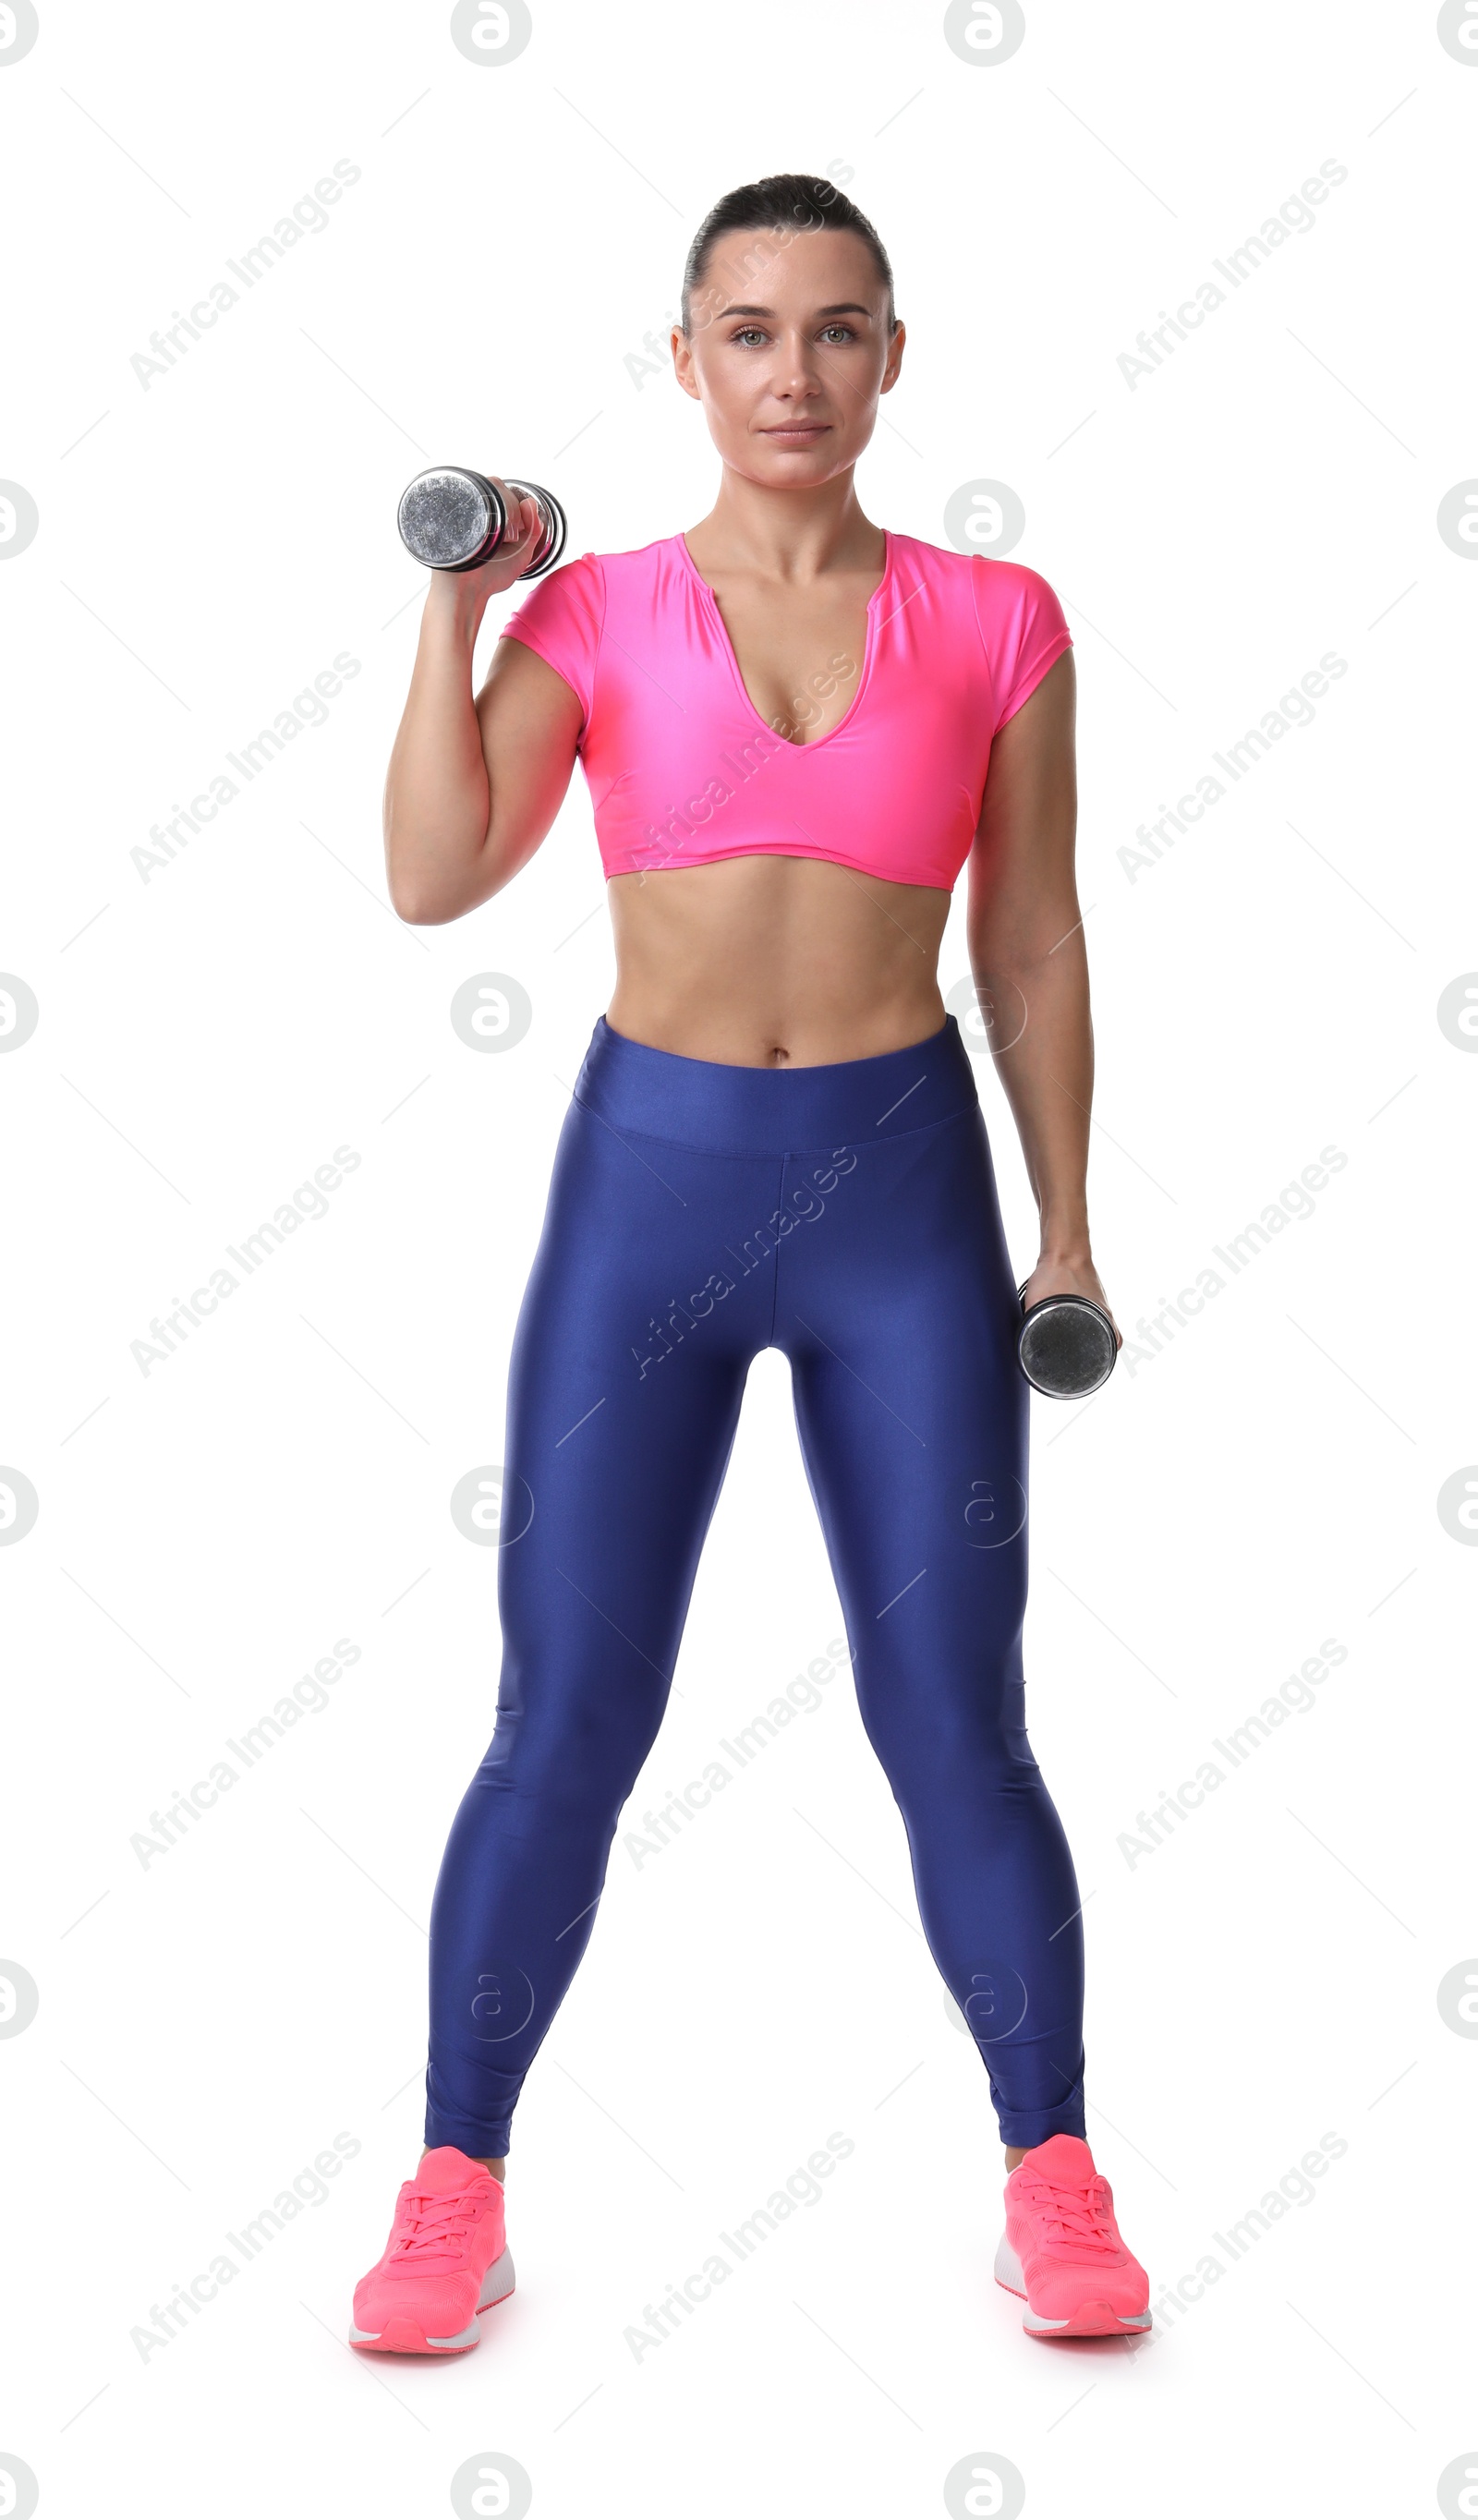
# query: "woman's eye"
748,332
839,331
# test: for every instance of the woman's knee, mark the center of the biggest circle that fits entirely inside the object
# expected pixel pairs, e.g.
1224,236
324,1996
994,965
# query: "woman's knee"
570,1748
949,1733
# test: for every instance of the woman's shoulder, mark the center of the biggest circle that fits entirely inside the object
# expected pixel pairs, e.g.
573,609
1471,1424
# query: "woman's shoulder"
587,587
564,614
641,560
991,581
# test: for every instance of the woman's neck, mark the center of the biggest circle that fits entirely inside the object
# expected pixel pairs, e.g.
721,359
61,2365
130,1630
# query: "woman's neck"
792,537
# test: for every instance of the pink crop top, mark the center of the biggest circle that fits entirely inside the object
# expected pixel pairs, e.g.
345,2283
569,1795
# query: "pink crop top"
680,767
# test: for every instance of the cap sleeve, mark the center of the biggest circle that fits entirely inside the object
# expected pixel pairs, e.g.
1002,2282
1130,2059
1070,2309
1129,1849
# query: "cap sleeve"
1023,630
562,621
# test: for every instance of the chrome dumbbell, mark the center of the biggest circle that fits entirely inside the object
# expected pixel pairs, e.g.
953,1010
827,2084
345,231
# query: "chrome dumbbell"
1067,1345
452,517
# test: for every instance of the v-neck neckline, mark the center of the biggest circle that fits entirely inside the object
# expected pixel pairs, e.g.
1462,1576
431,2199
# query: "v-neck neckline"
868,646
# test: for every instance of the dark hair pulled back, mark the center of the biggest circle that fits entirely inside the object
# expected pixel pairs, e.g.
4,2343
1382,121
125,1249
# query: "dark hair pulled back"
786,201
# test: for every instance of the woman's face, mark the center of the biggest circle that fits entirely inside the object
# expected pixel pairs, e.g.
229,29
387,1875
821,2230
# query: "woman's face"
789,352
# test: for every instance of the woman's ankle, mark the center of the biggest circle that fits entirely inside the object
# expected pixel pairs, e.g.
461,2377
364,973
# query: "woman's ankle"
498,2168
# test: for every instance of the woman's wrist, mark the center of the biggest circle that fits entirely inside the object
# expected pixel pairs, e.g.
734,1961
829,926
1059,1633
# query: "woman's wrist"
1066,1241
454,607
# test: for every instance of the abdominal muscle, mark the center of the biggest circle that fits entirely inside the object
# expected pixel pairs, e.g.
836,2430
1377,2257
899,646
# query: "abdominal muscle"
775,961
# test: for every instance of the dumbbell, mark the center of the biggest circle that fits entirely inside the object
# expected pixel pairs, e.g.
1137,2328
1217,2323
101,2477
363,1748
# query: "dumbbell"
454,518
1067,1345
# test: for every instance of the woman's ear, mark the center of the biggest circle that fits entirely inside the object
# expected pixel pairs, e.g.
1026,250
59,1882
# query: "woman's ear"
682,362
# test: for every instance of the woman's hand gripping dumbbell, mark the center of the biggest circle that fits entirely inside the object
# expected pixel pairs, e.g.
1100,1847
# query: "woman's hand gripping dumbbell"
1068,1340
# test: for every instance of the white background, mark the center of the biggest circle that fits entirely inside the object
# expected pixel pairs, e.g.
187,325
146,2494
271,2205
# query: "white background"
207,1037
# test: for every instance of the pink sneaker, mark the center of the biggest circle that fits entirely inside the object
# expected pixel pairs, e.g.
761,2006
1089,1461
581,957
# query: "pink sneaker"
446,2259
1062,2250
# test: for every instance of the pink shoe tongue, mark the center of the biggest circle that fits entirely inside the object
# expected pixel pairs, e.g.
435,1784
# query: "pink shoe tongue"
440,2173
1066,2158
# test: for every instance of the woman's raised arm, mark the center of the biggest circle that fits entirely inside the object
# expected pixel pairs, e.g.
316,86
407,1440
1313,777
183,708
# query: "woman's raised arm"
473,785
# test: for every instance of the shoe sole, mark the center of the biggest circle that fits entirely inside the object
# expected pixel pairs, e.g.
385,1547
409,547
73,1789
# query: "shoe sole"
1089,2318
404,2336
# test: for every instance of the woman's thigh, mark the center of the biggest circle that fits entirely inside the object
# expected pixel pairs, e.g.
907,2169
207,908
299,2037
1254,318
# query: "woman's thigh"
898,1311
626,1378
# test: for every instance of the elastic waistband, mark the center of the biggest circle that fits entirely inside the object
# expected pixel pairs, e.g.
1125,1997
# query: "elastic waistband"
775,1111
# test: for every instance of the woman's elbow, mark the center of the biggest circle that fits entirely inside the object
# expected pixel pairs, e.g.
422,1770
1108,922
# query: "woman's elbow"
419,904
430,881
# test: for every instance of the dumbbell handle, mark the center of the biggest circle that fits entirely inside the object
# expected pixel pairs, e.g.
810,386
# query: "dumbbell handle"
553,527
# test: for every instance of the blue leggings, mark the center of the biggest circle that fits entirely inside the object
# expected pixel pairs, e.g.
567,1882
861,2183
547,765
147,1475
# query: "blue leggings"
698,1213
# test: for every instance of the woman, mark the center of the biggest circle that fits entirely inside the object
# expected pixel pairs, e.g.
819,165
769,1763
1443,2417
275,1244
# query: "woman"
785,719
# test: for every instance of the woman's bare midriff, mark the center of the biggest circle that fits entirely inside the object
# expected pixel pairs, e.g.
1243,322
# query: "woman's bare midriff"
775,961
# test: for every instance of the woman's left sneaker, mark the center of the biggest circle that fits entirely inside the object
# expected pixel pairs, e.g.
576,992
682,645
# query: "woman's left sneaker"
1061,2251
447,2258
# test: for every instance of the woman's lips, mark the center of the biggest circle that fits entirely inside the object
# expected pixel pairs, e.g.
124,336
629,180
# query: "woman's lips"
806,430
